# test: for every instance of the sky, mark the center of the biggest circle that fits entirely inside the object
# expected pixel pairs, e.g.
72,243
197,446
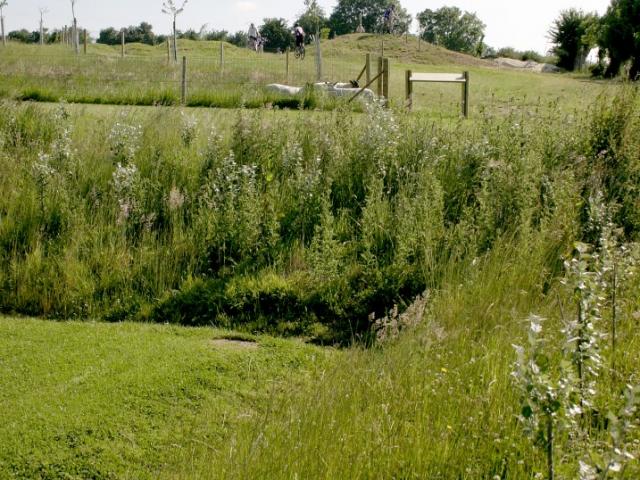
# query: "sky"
522,24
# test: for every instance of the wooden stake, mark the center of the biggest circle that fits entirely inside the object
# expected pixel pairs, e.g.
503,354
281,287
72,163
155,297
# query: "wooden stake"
184,81
286,65
408,89
368,66
385,80
379,89
465,95
221,57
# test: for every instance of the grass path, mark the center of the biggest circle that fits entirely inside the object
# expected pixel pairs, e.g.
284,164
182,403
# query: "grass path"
90,400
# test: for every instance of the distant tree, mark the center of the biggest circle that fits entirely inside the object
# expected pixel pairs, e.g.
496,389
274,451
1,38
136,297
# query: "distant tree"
3,3
43,12
217,35
313,19
489,52
452,28
570,39
169,8
190,34
277,34
143,33
24,36
619,36
239,39
345,17
75,36
108,36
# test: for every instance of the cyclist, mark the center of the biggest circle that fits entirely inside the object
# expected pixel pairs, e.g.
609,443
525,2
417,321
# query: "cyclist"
389,15
253,36
299,33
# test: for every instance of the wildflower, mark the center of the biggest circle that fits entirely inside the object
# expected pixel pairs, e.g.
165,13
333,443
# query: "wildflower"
176,199
124,140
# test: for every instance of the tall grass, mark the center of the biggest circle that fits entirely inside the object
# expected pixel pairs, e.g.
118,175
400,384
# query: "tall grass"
298,227
439,401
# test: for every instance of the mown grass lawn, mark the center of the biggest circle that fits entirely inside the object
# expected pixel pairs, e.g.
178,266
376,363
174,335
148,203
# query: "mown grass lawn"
92,400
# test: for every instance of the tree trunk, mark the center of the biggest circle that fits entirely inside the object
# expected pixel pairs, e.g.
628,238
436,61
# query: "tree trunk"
614,67
41,33
634,72
4,39
175,42
318,56
76,39
550,466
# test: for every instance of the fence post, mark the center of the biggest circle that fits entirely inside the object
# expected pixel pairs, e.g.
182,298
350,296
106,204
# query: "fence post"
367,66
85,41
379,86
184,81
318,58
221,57
286,65
385,80
408,89
76,37
122,36
465,95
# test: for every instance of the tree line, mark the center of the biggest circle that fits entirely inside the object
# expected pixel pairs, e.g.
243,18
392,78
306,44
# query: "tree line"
616,35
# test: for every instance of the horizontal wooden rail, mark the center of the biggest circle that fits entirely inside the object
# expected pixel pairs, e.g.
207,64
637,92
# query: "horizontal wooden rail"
438,77
463,79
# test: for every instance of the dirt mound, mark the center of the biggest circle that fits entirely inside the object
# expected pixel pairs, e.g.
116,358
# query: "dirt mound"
528,65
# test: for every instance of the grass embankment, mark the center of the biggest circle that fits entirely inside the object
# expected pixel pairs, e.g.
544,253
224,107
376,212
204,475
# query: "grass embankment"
91,400
440,401
274,224
144,77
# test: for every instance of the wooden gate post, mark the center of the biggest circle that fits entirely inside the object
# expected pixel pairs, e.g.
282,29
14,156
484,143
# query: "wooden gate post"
286,65
183,92
379,86
367,67
465,95
385,80
408,89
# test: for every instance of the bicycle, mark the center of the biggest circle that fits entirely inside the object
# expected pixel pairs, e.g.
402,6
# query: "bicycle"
299,52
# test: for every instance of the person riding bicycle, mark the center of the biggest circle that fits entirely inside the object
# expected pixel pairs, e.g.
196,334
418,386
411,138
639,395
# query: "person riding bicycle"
389,15
253,35
299,33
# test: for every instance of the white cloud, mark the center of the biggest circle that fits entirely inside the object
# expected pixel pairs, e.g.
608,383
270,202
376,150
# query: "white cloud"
245,6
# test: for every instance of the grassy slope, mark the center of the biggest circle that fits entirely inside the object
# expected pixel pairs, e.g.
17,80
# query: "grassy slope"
438,402
144,77
87,400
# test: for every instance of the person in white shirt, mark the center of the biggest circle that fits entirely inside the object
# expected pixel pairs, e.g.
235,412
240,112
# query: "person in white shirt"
253,36
299,33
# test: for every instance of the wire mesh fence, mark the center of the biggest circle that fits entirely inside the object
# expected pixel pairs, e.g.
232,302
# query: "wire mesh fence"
96,73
